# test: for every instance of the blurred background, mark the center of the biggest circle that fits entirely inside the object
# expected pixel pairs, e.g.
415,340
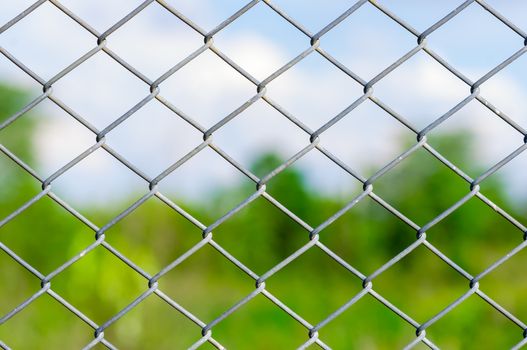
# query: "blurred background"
260,138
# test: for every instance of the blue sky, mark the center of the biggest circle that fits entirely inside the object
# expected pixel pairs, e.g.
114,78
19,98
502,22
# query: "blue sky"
260,41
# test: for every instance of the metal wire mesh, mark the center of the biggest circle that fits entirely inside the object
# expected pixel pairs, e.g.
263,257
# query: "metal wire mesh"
205,328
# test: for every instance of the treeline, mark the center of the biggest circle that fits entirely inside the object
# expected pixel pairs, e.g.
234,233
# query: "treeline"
260,236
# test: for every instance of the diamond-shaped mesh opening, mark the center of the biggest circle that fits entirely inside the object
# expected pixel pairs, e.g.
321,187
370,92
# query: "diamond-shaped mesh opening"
357,326
153,235
215,184
316,275
162,138
85,283
264,323
299,89
418,172
474,54
150,321
412,90
298,187
362,243
169,41
273,235
454,331
207,89
103,178
367,138
261,41
100,90
384,43
467,235
59,233
480,134
60,138
50,53
436,287
67,330
203,275
275,135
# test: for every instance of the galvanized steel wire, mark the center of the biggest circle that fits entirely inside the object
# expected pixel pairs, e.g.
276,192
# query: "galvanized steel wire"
153,90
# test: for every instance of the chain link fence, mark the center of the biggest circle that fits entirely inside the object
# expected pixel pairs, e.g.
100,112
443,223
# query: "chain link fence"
153,283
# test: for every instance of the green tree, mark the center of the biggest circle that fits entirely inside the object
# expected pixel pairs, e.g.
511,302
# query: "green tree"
260,236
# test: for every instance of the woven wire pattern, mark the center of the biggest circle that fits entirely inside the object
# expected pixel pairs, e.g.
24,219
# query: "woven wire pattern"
153,285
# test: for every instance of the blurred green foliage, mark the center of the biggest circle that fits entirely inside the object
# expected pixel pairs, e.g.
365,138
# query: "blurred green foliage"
260,236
